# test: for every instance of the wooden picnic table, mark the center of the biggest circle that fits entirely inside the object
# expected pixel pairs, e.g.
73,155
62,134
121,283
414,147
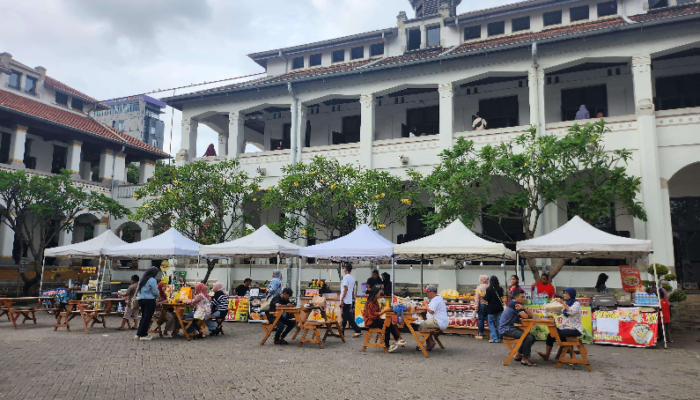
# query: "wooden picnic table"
29,313
421,336
526,325
279,311
88,311
316,326
178,309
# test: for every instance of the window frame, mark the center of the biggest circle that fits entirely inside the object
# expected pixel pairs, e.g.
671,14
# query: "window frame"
295,61
354,55
34,81
513,22
550,13
56,99
74,103
467,29
320,59
608,4
408,39
336,52
19,80
372,47
433,28
577,9
495,25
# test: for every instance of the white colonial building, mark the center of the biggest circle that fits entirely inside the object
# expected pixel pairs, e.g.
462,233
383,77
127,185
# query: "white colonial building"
636,63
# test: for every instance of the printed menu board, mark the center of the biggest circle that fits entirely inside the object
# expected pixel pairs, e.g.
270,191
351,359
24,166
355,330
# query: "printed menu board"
237,309
631,280
254,313
540,332
625,327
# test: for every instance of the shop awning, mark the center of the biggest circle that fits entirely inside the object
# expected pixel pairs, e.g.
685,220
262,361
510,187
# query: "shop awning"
170,244
578,239
361,244
455,242
93,248
261,243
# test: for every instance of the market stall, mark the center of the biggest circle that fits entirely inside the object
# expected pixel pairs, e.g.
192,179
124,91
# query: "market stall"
261,243
456,242
631,326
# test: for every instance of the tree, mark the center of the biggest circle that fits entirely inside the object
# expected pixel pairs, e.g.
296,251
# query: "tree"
209,203
132,173
329,198
37,208
516,181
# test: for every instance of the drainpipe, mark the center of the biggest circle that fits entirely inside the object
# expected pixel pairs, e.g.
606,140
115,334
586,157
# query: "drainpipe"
114,163
295,123
624,14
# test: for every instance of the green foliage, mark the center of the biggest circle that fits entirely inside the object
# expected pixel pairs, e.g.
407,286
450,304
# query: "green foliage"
329,198
132,174
661,270
207,202
678,295
37,208
516,181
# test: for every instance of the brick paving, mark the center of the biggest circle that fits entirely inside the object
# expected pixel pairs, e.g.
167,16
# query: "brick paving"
38,363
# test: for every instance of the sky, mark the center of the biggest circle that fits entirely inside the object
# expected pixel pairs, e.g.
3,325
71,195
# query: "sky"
110,49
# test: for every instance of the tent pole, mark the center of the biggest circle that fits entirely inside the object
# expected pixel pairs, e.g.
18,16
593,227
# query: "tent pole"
505,273
100,283
198,261
41,280
299,283
421,274
517,263
650,259
393,276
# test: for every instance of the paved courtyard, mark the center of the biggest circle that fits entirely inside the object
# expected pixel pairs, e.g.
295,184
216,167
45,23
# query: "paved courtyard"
38,363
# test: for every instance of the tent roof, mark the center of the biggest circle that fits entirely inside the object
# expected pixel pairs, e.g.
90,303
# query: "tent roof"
578,239
361,244
170,244
93,248
457,242
261,243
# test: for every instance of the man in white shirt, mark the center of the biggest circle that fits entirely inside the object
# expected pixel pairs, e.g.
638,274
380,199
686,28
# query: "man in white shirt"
436,315
347,294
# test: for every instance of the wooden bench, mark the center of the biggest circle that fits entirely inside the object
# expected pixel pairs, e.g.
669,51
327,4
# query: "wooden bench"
422,336
315,327
188,322
379,335
571,347
219,323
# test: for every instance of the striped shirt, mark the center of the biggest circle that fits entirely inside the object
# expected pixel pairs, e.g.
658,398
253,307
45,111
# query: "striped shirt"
219,302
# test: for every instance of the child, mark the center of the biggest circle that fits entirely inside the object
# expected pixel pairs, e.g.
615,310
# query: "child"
129,312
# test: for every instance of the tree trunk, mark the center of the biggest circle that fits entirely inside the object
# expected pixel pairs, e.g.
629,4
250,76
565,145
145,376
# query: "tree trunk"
533,269
557,268
28,283
210,266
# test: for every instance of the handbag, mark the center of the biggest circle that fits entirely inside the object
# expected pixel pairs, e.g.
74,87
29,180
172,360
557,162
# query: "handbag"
200,315
265,305
133,303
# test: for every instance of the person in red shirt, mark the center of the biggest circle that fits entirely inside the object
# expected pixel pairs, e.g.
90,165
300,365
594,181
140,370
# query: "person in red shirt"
543,286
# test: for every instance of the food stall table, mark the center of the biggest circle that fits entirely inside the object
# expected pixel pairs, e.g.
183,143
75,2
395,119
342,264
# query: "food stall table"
526,325
88,311
268,327
316,326
29,313
178,309
421,336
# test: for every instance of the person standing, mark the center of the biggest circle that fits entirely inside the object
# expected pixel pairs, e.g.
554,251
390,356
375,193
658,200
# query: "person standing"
481,304
512,316
130,312
219,308
373,281
514,285
347,295
274,288
494,295
386,281
241,290
582,113
600,286
146,296
436,315
544,286
479,123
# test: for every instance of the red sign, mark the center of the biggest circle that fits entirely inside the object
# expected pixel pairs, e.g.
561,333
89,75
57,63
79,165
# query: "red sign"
625,327
631,280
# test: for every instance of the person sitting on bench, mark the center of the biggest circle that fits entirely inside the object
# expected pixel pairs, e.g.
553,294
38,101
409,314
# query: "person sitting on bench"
571,323
284,325
506,327
219,308
373,319
436,317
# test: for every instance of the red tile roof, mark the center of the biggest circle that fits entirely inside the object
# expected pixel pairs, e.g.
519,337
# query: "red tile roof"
669,12
53,83
17,103
413,56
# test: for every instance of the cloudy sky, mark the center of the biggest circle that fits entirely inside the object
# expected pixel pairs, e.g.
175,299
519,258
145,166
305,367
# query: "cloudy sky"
117,48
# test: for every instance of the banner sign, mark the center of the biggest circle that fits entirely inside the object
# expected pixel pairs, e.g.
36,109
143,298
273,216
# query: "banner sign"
625,327
237,309
88,270
540,332
60,294
631,280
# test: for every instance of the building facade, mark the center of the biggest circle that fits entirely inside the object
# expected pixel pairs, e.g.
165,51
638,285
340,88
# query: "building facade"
635,63
137,116
46,126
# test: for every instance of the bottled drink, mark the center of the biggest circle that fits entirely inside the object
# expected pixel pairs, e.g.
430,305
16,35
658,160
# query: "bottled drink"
654,300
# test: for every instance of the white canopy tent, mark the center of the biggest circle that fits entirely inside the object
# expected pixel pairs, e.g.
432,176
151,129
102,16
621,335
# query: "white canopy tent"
456,242
93,248
261,243
170,244
577,239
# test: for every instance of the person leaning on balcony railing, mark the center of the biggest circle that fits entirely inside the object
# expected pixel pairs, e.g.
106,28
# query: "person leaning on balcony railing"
479,123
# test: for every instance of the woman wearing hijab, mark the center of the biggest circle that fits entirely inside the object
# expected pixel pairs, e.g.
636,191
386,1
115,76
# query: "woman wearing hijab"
169,317
211,152
219,308
146,296
202,309
582,113
274,288
373,319
600,284
571,323
482,304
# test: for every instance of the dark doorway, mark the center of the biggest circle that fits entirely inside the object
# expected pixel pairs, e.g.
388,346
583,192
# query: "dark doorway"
425,119
307,138
415,228
59,159
414,39
678,92
285,142
501,112
685,222
351,130
505,230
595,98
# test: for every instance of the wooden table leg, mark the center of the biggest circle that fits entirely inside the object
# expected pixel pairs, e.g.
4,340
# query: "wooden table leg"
415,337
517,345
182,326
278,315
11,314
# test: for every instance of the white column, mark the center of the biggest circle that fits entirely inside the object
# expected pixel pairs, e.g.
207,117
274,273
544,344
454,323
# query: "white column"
423,37
366,130
668,228
105,174
7,240
146,170
294,129
188,141
301,137
73,162
86,170
100,227
236,135
541,79
223,145
120,168
534,100
447,115
65,238
649,156
17,144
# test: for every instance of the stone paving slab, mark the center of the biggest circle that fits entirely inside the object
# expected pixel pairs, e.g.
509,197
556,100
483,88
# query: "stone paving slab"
38,363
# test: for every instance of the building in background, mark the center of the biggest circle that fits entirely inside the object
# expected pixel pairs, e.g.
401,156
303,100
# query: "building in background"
137,116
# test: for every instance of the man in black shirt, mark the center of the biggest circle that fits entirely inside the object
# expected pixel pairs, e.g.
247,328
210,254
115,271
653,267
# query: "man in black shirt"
281,300
241,290
373,281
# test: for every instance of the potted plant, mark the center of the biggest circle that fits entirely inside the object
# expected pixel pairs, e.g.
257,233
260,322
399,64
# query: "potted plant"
662,275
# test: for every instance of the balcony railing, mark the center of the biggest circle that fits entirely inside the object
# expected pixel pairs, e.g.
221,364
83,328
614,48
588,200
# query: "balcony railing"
89,185
261,157
127,191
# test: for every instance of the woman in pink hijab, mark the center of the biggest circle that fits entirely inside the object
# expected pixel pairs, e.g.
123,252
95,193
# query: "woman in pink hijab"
481,303
202,309
211,152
